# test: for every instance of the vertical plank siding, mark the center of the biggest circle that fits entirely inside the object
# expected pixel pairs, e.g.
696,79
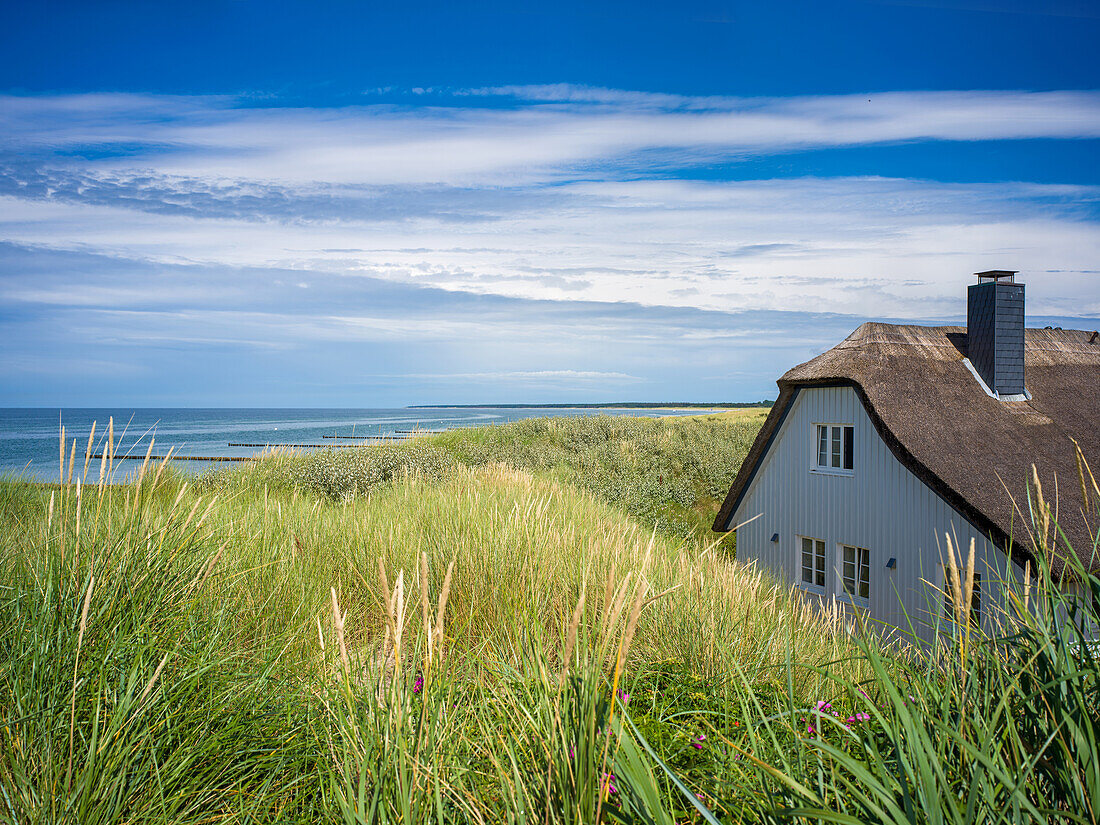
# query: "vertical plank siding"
880,506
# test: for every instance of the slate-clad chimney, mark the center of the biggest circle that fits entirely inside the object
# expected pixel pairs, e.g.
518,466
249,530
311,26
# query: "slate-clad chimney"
995,331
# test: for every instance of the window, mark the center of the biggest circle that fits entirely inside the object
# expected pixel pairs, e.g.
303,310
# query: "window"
949,611
835,450
856,571
813,562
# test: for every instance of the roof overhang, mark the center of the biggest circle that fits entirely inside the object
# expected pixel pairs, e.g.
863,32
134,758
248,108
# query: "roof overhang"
788,393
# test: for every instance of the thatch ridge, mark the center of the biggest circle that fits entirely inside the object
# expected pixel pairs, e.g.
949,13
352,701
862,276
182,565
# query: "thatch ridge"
974,451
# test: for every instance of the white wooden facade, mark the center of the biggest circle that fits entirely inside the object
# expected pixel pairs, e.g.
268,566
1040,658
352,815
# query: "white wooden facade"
879,505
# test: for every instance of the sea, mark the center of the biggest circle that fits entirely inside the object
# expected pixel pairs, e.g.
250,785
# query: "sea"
30,437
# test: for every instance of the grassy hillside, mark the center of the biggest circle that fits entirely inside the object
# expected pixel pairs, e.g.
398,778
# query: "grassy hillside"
189,648
466,641
669,472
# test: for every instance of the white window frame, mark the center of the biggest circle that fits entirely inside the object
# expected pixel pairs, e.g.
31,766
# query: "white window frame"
819,551
834,448
859,566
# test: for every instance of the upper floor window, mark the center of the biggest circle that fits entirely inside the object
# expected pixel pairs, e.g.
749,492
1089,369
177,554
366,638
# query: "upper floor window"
835,449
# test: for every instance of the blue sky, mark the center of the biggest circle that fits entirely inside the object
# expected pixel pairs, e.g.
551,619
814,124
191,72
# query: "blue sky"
351,204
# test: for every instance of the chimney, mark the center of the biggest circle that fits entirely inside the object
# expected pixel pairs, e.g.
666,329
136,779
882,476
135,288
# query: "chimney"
995,331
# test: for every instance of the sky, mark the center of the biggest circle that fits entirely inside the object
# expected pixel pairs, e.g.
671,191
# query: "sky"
329,204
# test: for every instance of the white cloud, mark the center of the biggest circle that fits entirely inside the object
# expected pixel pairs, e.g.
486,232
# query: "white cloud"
474,145
870,247
206,217
528,376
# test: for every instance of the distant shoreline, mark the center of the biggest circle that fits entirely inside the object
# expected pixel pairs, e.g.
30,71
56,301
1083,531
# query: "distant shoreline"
626,405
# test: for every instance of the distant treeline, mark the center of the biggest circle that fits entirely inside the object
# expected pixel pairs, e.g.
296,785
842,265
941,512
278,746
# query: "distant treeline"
630,405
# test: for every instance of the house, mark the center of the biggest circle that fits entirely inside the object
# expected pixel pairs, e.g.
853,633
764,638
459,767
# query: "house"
902,435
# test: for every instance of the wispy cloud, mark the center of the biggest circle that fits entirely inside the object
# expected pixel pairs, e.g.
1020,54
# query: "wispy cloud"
572,377
875,246
503,236
550,130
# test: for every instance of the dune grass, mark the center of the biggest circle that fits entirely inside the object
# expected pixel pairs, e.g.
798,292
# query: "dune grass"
671,472
491,644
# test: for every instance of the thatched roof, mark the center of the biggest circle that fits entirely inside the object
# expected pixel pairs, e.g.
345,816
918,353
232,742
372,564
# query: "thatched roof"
973,450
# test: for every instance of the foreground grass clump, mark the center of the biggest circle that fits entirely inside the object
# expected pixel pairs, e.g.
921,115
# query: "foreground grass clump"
669,472
180,657
523,550
497,646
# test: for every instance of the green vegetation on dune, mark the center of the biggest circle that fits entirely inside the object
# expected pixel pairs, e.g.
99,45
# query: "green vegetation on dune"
470,629
619,405
667,472
210,658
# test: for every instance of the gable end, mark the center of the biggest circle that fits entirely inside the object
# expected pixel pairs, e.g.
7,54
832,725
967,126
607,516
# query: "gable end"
768,433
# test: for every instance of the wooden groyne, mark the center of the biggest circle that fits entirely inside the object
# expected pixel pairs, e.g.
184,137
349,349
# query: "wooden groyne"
326,446
267,446
174,457
360,437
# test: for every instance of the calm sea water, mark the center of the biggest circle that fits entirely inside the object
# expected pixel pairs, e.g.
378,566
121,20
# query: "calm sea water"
29,438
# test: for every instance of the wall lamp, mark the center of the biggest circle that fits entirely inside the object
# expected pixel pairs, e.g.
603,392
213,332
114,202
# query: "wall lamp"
775,537
890,565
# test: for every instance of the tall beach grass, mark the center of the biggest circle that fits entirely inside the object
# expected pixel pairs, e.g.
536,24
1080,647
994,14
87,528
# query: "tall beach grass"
489,643
671,473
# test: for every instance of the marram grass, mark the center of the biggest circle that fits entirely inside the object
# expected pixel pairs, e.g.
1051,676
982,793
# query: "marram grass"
487,645
671,473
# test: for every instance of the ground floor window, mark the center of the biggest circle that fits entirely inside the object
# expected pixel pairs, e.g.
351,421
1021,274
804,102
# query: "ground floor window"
856,571
813,562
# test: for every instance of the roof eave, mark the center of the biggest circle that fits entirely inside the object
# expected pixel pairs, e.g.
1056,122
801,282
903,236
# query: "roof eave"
788,391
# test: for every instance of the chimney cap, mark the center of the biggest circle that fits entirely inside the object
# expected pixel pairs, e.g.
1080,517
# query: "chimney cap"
997,275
